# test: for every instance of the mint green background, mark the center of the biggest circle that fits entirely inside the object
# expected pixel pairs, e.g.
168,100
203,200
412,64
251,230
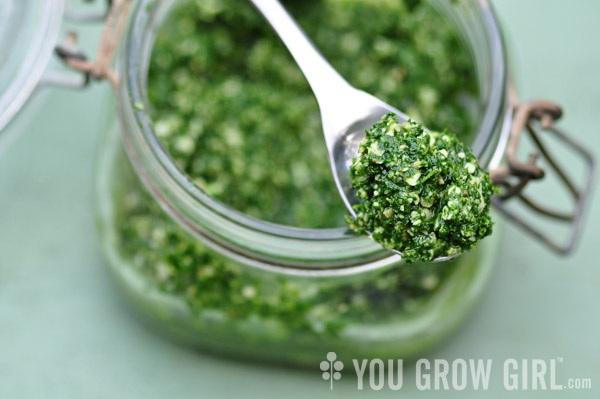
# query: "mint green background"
65,334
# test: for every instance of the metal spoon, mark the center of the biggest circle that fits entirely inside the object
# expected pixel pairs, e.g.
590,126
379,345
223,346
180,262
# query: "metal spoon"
346,112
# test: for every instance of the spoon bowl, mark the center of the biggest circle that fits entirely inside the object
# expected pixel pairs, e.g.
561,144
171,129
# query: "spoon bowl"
342,145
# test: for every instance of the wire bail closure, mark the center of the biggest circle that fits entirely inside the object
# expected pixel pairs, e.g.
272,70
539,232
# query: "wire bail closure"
101,67
516,175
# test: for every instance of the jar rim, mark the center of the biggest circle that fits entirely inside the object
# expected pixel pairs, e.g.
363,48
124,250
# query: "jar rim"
267,245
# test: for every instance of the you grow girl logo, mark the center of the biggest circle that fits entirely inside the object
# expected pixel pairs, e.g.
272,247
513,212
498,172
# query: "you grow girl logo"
331,368
458,374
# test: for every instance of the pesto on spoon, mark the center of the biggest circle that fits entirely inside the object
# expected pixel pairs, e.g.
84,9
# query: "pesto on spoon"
422,193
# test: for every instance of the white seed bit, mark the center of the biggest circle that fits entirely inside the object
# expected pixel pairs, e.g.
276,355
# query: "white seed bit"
158,234
184,144
414,179
163,271
388,212
248,291
429,282
428,214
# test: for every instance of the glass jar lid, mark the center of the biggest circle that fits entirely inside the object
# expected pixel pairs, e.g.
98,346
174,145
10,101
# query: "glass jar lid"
28,34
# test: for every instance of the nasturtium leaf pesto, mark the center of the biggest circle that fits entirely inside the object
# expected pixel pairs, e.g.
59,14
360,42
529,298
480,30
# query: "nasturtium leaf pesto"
236,114
422,193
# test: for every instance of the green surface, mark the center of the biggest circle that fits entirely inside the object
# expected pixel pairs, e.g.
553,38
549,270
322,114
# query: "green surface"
65,334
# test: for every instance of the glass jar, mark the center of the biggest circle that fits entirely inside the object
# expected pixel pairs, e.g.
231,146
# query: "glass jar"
255,289
27,40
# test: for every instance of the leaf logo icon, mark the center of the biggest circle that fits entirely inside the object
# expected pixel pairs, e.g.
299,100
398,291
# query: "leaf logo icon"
331,368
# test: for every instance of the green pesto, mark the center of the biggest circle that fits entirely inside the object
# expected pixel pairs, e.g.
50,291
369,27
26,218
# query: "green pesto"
422,193
236,114
215,288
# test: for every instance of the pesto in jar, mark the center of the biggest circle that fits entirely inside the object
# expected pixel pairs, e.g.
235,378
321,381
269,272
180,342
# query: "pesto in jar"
238,117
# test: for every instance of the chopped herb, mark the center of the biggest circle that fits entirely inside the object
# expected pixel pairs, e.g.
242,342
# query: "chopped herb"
422,193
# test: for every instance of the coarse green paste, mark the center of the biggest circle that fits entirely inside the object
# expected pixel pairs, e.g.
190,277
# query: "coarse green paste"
421,193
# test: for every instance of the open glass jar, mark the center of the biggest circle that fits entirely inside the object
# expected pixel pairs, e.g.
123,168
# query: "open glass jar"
221,280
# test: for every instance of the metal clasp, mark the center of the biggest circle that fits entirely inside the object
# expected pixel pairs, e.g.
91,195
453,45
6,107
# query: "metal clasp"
516,175
100,68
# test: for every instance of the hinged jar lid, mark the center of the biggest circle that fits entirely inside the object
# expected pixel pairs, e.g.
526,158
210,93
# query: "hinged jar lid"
28,33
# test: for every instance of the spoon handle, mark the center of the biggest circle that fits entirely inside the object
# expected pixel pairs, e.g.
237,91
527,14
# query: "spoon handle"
323,79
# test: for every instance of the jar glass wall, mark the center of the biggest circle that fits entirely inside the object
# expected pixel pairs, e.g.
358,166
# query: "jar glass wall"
219,279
